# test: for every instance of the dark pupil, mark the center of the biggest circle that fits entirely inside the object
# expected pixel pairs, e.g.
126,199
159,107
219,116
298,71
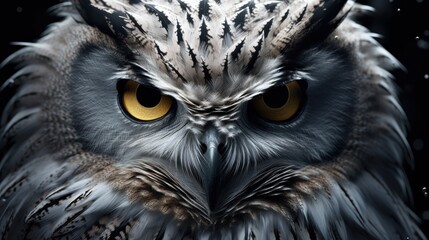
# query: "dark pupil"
148,97
276,97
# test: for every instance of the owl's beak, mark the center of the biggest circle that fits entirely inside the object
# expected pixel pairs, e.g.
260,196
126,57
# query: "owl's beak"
212,159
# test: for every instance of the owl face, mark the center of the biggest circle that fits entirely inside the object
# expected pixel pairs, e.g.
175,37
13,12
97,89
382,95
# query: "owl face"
212,101
206,132
207,120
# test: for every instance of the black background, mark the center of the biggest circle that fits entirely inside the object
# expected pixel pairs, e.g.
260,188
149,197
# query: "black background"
404,25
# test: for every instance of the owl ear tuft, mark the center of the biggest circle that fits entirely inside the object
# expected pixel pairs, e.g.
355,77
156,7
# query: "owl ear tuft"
104,16
309,23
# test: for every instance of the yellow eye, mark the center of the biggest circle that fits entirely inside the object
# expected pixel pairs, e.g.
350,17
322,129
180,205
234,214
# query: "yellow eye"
279,103
144,103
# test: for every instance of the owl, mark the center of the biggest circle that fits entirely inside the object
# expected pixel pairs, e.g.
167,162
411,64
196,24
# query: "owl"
204,119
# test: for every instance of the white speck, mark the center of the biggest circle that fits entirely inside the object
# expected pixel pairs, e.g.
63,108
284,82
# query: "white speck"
426,76
398,10
417,38
425,191
336,37
3,199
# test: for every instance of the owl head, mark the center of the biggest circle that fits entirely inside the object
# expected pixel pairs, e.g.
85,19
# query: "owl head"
206,119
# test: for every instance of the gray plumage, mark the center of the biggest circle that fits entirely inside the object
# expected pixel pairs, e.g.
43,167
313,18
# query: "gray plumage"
75,166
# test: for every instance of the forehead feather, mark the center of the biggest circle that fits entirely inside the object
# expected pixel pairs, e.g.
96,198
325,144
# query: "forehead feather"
216,44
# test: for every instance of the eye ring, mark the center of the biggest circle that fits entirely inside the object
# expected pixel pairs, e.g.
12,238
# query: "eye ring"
143,103
279,103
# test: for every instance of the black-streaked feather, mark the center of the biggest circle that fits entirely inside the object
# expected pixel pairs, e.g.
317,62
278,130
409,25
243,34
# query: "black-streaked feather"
225,65
204,9
255,55
249,5
240,19
136,24
162,17
134,2
110,22
193,56
237,50
270,7
206,72
184,6
190,18
179,33
227,36
204,34
284,16
176,71
267,28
